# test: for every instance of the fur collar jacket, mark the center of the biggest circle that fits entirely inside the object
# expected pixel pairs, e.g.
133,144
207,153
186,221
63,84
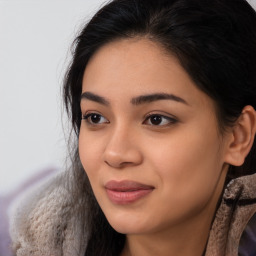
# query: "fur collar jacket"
48,225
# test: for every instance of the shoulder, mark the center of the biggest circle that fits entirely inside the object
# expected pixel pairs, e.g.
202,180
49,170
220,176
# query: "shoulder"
45,223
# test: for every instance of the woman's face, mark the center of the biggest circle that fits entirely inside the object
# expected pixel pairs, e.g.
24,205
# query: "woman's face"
149,140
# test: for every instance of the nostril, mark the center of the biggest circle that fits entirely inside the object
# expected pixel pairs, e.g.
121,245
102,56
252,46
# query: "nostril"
119,165
114,163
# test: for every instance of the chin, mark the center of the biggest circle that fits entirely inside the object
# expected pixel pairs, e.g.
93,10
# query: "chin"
128,229
128,225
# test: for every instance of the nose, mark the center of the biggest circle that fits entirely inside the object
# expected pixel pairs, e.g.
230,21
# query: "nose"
122,149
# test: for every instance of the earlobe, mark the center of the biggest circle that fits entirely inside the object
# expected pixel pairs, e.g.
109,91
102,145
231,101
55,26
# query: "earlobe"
241,137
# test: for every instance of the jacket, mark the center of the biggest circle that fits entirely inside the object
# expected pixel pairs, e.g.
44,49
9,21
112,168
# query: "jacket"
48,225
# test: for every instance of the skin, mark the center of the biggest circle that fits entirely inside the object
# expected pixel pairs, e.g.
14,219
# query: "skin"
185,161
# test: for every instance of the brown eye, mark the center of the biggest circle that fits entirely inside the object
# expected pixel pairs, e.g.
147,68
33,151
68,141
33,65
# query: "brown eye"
156,120
159,120
94,118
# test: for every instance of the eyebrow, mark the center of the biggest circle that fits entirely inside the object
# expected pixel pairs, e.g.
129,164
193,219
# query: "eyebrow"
156,96
142,99
94,97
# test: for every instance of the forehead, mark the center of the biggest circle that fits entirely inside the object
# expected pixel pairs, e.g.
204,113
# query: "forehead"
130,67
129,59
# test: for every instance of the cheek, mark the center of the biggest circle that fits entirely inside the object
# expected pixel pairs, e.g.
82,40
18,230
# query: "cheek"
89,153
188,164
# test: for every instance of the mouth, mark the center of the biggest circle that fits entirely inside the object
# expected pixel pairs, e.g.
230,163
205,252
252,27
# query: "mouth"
126,192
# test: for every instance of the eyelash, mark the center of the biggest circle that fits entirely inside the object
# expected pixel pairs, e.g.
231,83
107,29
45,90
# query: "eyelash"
170,120
88,116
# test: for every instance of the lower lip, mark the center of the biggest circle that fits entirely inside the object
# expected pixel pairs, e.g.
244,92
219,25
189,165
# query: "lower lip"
127,197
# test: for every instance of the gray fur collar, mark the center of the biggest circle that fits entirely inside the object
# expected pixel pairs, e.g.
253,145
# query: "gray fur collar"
48,223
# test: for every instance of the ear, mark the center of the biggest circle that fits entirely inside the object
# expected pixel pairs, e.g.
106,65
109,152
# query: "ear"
241,137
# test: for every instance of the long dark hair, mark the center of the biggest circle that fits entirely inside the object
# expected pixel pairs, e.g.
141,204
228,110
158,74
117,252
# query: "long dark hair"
215,42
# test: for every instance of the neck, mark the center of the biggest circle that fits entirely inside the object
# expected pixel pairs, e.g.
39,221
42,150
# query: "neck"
189,240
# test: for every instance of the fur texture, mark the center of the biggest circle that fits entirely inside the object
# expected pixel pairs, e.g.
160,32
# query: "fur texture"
48,224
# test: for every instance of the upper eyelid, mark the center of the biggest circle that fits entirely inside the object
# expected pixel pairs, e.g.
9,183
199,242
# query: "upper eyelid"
88,112
91,113
145,117
157,113
166,117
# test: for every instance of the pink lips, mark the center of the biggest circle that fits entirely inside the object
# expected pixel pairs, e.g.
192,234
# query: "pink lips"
125,192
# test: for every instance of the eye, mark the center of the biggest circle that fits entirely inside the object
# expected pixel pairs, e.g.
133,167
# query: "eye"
95,118
159,120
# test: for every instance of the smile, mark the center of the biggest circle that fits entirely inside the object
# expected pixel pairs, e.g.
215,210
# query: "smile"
126,192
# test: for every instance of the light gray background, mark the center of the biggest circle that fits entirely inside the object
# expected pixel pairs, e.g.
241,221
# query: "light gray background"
35,36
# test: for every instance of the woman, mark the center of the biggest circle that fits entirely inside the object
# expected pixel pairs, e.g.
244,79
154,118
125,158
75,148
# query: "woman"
161,95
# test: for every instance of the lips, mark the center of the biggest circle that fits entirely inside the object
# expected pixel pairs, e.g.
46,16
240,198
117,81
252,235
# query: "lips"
126,192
